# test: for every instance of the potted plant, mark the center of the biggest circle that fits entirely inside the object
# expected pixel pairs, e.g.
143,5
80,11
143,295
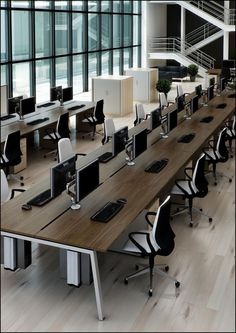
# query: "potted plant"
163,85
192,71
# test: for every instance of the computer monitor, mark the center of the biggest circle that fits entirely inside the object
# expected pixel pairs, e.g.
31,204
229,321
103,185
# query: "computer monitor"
139,143
14,104
155,119
67,94
172,120
210,92
119,139
198,90
212,81
180,100
61,174
87,180
194,104
4,100
229,63
55,93
223,82
27,106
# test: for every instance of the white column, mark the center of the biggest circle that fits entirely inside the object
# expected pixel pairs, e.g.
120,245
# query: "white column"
182,30
144,53
226,33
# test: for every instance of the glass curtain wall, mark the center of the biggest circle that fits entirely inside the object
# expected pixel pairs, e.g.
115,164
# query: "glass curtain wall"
48,43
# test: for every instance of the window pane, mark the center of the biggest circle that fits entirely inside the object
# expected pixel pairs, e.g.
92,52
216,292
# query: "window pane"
77,5
116,62
93,32
93,6
116,31
127,53
61,5
78,33
3,35
92,67
135,57
127,30
136,7
43,71
20,35
61,31
3,3
106,22
105,6
117,6
20,4
135,30
127,6
21,79
62,71
42,4
105,62
3,78
77,74
43,40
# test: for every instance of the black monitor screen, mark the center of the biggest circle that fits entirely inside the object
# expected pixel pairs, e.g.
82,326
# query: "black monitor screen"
228,63
210,92
172,120
14,104
223,82
212,81
87,180
155,118
194,104
61,174
140,142
198,90
55,93
180,103
119,140
67,94
27,105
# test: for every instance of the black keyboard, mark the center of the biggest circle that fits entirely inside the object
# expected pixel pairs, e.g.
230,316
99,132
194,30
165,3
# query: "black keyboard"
105,157
157,166
186,138
207,119
221,106
41,199
45,105
37,121
6,117
107,212
76,107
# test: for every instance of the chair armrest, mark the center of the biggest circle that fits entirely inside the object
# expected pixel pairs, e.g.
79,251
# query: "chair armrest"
138,245
147,219
16,190
81,154
49,132
210,143
185,172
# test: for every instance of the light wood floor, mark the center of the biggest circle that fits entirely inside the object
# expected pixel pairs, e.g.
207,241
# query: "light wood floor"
38,300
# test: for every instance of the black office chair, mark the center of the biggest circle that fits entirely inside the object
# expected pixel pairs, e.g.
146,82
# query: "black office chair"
11,155
150,243
62,130
231,133
218,154
140,114
97,118
195,186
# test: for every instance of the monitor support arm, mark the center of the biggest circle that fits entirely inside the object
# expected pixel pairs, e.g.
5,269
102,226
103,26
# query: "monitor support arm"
72,195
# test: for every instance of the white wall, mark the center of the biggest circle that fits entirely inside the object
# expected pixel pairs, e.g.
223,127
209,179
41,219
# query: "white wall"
154,18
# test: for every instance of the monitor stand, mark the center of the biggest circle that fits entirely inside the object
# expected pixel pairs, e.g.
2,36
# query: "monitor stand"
74,205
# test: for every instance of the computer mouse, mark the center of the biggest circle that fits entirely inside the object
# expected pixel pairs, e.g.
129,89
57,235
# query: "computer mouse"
46,118
26,207
122,200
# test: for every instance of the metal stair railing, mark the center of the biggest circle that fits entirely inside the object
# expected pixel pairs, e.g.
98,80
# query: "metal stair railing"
201,33
216,10
175,45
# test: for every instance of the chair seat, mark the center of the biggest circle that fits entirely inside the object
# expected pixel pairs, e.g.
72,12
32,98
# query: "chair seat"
89,119
52,136
142,240
4,159
212,155
185,185
231,133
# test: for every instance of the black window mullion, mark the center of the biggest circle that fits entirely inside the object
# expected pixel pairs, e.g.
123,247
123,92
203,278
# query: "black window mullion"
32,51
85,57
122,40
53,63
70,38
9,50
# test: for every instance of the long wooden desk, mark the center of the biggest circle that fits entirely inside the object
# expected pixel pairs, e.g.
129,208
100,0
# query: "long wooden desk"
57,225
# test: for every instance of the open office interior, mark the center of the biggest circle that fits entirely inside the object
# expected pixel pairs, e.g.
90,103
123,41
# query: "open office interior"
102,122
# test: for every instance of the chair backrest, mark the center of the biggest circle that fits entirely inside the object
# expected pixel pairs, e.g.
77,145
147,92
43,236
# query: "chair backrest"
109,127
199,182
65,150
221,146
5,190
12,147
162,231
98,112
140,113
163,100
225,72
180,91
63,125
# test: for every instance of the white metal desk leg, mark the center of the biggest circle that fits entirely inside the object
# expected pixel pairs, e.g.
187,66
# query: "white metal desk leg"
97,284
10,253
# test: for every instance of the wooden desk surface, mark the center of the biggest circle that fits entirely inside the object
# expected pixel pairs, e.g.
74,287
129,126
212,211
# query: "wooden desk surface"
52,114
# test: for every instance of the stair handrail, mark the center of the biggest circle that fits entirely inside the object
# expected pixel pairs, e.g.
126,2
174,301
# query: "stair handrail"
201,33
174,44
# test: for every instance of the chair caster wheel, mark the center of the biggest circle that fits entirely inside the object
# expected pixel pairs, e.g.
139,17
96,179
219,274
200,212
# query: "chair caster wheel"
230,180
166,269
150,293
92,139
171,218
215,183
22,184
210,219
55,159
191,224
125,281
200,209
136,267
177,210
21,177
177,284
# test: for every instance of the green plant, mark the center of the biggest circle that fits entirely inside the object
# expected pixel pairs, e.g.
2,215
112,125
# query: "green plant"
163,85
192,70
